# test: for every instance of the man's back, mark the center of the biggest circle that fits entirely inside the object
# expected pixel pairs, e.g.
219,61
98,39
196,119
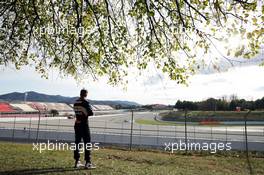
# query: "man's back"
82,110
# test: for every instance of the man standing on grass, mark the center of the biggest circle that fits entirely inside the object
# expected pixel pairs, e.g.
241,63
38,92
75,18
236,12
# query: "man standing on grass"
82,111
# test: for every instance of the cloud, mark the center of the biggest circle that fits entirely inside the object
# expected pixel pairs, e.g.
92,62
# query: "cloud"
153,80
215,81
223,64
242,81
260,88
246,82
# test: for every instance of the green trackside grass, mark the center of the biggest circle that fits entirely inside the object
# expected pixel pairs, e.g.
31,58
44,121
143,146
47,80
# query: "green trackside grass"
225,115
21,159
177,117
154,122
169,123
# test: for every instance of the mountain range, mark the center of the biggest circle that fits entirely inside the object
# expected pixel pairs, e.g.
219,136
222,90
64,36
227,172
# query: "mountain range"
39,97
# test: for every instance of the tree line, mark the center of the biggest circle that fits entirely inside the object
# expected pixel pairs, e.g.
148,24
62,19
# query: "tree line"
213,104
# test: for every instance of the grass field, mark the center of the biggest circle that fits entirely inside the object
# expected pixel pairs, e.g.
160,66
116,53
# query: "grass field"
21,159
216,115
155,122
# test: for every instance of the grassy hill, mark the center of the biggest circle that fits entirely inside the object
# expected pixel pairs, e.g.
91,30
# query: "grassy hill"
35,96
21,159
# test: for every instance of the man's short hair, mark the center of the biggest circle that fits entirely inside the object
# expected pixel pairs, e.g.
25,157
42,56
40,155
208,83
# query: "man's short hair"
83,92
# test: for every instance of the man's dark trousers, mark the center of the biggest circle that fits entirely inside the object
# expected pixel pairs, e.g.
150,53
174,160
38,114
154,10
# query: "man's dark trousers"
82,131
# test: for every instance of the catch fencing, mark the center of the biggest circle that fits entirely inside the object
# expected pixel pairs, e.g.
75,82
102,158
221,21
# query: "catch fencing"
128,133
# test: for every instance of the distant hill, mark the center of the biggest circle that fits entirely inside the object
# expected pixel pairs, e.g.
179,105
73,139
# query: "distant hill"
34,96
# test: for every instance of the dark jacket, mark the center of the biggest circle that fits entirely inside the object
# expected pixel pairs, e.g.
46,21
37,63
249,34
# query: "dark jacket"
82,110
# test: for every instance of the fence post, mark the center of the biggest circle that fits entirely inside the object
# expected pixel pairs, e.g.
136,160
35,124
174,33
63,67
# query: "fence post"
131,130
226,133
175,133
46,131
185,129
122,140
246,140
105,132
14,126
29,132
140,134
157,135
58,130
38,127
211,133
194,134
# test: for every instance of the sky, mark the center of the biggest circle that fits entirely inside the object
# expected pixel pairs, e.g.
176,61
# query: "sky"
244,80
151,88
